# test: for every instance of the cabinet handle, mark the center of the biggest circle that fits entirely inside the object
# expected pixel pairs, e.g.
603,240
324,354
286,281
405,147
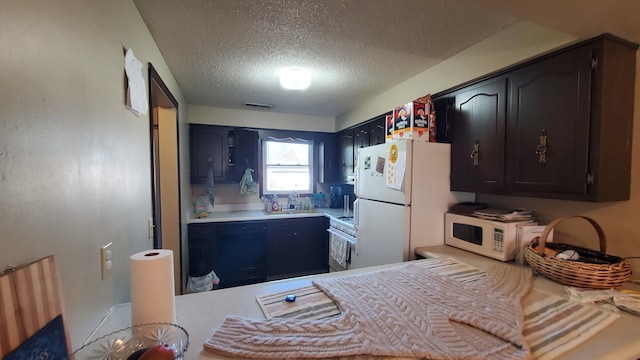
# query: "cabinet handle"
541,149
475,153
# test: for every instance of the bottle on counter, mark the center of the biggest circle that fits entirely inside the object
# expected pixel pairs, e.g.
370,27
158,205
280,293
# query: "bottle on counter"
274,203
267,204
201,206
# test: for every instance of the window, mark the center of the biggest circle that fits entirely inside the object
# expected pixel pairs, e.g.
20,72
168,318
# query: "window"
287,166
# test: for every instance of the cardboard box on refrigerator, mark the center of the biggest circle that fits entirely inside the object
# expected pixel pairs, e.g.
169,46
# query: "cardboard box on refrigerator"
525,234
389,127
412,120
425,118
402,123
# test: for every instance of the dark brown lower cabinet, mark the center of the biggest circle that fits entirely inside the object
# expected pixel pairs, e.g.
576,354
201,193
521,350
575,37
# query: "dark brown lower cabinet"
241,253
298,247
249,252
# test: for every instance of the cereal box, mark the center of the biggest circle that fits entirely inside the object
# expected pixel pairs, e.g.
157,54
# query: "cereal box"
414,120
424,119
402,122
389,127
420,121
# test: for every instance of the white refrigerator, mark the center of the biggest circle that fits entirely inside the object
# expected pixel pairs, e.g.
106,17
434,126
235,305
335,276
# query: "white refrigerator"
402,191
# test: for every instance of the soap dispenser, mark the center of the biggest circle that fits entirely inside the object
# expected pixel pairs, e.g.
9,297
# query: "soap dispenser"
267,204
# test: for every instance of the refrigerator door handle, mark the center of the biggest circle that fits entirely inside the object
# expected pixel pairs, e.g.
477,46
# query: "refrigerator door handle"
356,213
356,173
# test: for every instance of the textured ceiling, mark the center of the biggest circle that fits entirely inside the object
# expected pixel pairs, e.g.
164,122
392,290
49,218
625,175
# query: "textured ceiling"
227,52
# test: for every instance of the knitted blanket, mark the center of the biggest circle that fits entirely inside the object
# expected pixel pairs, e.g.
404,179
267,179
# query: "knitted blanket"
406,311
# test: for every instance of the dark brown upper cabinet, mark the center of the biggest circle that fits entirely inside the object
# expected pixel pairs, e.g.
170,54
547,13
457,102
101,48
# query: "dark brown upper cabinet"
377,131
548,127
209,147
246,154
345,141
445,114
370,133
227,150
557,126
477,149
360,137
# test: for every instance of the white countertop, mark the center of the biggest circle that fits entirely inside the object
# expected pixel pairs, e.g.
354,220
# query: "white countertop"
200,314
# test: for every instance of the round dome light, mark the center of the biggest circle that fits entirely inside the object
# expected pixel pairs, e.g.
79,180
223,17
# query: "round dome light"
295,78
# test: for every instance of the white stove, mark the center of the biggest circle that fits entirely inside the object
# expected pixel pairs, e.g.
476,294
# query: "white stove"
344,224
342,228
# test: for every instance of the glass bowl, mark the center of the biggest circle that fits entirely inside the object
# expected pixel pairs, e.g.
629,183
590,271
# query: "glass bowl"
120,344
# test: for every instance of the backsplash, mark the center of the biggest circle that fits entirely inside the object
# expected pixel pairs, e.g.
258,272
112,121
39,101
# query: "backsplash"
225,194
229,194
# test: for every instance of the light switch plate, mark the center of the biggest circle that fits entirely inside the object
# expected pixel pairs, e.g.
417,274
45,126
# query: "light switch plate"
106,260
150,227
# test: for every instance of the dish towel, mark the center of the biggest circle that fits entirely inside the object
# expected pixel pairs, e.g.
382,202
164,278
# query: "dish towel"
210,184
339,247
247,184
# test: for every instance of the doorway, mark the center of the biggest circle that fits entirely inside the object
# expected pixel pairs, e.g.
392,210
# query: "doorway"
165,174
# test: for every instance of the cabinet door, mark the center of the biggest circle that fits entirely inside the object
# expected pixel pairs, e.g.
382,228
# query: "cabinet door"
477,147
328,159
202,249
345,144
444,107
377,131
246,153
548,125
298,247
241,253
360,137
209,145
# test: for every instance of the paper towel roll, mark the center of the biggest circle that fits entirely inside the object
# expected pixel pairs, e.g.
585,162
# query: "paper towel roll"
152,289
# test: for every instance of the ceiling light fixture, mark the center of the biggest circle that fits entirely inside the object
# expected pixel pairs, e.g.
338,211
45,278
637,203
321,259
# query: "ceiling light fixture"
295,78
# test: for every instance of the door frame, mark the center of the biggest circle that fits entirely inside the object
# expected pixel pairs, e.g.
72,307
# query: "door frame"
160,96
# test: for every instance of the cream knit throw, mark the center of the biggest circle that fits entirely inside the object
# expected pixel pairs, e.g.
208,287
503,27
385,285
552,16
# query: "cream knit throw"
406,311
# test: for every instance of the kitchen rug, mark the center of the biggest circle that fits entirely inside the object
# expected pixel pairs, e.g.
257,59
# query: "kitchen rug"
553,325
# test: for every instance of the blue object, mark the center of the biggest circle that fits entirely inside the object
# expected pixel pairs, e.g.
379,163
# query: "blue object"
290,298
49,342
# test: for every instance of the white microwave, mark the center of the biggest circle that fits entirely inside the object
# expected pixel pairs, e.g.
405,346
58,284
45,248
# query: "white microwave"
489,238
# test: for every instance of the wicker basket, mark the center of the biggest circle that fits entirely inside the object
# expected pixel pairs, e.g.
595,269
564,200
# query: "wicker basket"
601,272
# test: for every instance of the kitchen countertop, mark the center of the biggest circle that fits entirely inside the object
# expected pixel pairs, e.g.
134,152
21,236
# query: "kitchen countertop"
201,313
253,214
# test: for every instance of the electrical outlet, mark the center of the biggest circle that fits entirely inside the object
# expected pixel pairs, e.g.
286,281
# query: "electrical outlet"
106,260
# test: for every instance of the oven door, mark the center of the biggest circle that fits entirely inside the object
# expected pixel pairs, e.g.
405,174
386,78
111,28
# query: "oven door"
335,255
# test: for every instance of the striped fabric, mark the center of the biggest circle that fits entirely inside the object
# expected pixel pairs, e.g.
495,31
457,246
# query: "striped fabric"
553,325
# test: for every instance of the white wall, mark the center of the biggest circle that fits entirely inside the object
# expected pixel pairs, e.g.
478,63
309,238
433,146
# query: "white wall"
266,119
514,44
74,163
